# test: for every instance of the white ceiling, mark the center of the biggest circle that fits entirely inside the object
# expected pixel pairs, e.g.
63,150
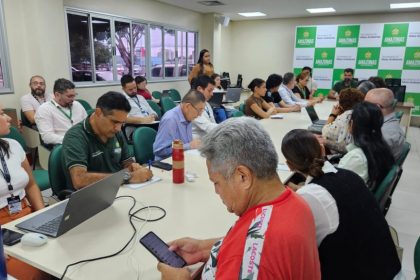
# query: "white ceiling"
289,8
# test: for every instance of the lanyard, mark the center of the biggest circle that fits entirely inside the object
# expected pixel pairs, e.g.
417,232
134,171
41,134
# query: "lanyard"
136,100
63,112
42,99
5,172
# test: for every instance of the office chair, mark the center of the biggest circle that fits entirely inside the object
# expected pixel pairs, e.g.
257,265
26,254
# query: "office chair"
155,107
167,104
143,139
57,174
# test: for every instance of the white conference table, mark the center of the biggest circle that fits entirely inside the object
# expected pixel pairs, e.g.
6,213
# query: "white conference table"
193,209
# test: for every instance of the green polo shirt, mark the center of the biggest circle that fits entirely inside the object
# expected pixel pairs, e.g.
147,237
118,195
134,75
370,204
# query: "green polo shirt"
81,147
339,86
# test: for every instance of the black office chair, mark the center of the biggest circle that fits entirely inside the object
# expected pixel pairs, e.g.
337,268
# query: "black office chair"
225,75
393,82
239,82
399,92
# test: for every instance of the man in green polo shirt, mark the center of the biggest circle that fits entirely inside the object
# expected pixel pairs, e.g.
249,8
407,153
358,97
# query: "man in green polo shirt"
348,82
95,147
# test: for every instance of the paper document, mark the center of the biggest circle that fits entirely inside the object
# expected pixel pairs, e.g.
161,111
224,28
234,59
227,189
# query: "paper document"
277,116
141,185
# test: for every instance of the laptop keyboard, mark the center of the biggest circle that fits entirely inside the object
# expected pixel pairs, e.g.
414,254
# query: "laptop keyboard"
51,226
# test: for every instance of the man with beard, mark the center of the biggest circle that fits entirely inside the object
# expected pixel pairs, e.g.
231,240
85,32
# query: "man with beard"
348,82
30,102
55,117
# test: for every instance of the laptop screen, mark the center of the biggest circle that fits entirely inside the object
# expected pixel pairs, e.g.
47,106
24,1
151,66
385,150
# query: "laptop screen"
312,113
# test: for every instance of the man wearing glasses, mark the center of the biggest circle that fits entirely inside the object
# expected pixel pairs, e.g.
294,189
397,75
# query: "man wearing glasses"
176,124
30,102
95,148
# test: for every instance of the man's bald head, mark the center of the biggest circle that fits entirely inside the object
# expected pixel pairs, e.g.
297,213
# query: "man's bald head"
383,97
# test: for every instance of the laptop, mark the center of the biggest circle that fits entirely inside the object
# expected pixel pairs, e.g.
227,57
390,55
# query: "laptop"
317,124
233,95
216,100
82,205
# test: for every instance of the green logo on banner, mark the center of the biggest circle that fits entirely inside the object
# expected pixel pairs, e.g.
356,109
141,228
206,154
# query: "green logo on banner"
338,75
348,36
324,58
367,58
412,58
390,74
305,37
395,35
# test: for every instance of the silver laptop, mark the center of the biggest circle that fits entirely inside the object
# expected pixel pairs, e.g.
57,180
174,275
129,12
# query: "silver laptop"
314,116
233,95
82,205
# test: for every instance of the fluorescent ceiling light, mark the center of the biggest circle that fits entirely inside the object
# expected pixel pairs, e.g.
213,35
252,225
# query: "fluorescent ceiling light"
253,14
404,5
321,10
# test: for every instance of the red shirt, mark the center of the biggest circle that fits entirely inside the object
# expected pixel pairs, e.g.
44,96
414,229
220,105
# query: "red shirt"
145,93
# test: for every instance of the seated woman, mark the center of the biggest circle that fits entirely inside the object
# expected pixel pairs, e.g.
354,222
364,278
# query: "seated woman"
302,90
20,185
141,83
369,155
272,96
335,134
354,240
274,236
217,83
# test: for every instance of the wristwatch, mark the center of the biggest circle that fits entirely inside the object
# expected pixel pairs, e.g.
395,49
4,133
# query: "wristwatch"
126,177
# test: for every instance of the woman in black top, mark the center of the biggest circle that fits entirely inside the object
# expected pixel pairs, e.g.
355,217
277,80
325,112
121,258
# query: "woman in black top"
302,90
273,98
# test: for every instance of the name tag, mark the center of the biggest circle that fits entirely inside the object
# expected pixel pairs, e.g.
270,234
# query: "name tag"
14,205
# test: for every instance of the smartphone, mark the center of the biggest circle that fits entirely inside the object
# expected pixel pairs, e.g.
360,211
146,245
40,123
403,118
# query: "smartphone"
161,251
10,237
162,165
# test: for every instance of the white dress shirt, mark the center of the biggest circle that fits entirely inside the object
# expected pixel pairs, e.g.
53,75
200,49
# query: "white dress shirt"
53,123
356,161
204,123
290,98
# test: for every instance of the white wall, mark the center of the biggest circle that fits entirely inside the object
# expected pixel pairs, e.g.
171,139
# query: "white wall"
257,48
37,39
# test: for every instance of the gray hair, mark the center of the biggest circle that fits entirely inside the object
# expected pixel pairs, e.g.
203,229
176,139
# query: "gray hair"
240,141
365,86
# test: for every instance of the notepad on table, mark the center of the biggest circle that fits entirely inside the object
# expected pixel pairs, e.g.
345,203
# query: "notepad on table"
141,185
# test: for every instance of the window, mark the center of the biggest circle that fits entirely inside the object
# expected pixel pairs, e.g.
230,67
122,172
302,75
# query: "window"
104,47
5,80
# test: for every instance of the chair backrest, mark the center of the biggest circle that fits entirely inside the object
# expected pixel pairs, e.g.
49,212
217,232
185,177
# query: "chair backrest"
239,81
24,119
143,139
155,107
399,115
238,114
404,153
15,135
167,104
242,108
174,94
157,94
384,189
85,105
56,170
417,258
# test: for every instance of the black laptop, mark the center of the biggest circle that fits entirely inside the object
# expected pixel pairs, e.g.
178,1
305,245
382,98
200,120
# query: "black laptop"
216,100
82,205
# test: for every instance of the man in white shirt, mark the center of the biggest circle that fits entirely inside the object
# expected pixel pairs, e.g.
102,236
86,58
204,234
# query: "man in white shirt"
206,121
141,112
55,117
30,102
287,94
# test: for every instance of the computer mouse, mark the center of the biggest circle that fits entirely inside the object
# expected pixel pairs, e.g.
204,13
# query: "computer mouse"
34,239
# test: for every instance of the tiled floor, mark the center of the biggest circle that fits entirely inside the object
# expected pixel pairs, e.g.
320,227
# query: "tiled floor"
404,214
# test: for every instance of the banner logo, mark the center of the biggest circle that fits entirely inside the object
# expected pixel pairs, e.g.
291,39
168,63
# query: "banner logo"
348,36
395,35
367,58
305,37
412,58
324,58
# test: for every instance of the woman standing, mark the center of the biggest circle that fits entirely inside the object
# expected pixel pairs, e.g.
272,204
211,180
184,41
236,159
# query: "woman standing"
16,182
203,66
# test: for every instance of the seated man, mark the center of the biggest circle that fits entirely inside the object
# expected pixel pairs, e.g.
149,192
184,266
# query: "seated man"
176,124
54,118
348,82
30,102
206,121
311,85
274,236
96,147
287,94
391,129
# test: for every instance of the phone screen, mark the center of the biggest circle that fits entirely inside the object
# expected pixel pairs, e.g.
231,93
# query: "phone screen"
161,251
10,237
162,165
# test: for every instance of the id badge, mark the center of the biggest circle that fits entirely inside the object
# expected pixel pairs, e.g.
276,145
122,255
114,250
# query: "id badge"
14,204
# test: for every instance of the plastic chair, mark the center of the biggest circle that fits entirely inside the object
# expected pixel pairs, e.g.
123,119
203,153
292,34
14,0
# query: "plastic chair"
384,189
85,105
57,174
143,139
237,114
156,94
40,176
399,115
155,108
167,104
404,153
417,259
175,95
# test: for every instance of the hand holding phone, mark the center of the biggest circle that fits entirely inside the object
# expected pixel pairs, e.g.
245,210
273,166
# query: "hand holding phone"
161,251
10,237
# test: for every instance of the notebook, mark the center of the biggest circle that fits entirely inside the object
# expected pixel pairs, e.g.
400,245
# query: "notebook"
82,205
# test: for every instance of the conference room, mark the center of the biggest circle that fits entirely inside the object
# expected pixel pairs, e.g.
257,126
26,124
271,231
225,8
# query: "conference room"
94,43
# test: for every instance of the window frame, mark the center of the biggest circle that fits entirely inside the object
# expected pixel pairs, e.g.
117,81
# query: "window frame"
131,21
4,56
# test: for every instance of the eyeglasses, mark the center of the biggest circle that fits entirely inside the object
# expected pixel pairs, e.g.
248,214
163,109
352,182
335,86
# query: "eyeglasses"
199,111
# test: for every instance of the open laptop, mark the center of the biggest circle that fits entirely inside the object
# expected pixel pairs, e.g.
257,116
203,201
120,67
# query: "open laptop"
233,95
82,205
317,124
216,100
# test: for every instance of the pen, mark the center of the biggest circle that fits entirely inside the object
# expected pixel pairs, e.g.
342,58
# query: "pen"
150,163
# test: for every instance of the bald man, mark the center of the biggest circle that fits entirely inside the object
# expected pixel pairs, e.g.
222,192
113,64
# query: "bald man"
391,129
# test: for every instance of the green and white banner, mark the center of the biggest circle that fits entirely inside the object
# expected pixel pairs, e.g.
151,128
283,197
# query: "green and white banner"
388,50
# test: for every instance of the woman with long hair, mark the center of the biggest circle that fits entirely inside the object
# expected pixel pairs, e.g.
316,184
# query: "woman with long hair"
255,105
203,66
369,155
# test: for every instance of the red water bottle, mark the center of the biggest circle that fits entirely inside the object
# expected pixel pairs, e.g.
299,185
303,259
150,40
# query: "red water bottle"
177,162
